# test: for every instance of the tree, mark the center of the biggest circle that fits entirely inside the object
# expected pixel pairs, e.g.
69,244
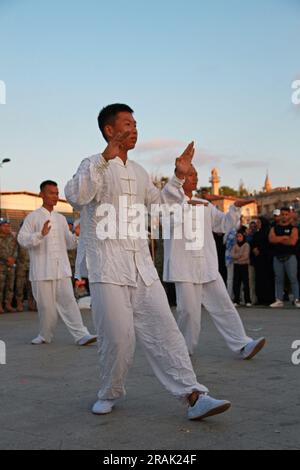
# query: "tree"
242,191
228,191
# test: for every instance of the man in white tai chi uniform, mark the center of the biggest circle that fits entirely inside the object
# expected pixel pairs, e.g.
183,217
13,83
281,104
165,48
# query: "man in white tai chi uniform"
195,273
45,233
128,300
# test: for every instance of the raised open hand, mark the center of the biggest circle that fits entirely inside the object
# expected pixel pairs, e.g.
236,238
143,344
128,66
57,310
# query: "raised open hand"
184,162
46,228
115,145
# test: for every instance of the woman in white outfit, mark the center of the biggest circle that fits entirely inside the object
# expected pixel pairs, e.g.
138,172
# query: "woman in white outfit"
45,233
197,279
128,300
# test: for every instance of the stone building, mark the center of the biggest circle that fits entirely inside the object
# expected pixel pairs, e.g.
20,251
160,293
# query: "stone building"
275,198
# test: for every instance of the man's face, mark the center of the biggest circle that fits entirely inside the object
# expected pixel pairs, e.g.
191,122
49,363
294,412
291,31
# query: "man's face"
77,230
204,194
50,195
191,181
285,217
5,229
258,224
294,216
240,238
277,219
124,122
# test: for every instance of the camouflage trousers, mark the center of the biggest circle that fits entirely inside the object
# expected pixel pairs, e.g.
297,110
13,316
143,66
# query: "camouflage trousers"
7,284
23,285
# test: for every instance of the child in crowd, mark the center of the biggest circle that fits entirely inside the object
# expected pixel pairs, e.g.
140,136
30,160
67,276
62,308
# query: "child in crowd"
241,257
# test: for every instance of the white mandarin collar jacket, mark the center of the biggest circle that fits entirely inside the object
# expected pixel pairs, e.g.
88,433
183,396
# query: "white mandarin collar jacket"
99,182
198,267
48,255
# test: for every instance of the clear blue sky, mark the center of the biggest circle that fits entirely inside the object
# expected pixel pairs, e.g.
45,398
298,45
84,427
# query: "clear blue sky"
217,71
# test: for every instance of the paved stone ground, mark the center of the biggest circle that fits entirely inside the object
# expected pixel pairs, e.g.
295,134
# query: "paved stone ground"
46,393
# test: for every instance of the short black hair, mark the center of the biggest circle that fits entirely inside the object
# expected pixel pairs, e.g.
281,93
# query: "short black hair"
47,183
242,231
285,209
108,115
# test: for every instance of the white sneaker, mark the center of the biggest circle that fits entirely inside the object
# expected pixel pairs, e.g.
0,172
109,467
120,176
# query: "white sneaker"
86,340
103,407
38,340
277,304
84,303
253,348
207,406
248,305
236,305
297,303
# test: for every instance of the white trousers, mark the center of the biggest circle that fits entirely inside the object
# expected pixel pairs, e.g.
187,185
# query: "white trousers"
230,277
252,284
56,298
215,298
121,314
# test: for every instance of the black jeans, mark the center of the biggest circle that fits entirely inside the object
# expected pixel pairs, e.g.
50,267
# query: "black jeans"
241,276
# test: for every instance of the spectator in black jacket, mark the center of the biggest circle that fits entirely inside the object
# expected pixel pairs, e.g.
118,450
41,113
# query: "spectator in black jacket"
262,261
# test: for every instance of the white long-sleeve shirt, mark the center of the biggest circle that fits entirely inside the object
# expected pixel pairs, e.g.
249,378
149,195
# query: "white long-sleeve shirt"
48,255
199,266
98,182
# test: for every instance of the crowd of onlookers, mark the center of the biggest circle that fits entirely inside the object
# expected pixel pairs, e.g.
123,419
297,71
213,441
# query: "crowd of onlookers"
259,262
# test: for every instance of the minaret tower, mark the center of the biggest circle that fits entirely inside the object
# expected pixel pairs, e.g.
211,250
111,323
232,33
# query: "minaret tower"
215,182
268,184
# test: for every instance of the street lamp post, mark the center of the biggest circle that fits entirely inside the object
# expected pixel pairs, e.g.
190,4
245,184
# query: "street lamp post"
5,160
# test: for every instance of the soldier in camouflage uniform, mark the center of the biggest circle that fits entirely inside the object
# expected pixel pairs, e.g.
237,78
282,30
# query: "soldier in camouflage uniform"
8,256
22,281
